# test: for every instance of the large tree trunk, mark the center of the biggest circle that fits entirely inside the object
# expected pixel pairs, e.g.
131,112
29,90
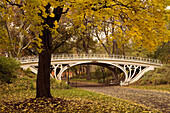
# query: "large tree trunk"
104,76
86,47
43,77
88,72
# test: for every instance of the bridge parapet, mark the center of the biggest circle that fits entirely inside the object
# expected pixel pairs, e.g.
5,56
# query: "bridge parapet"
28,59
91,56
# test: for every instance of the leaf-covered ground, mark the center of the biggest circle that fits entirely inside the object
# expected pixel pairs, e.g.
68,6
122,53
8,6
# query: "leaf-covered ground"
148,98
67,101
20,97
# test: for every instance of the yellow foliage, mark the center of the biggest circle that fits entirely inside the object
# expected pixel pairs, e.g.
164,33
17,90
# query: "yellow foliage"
56,24
44,2
52,15
135,20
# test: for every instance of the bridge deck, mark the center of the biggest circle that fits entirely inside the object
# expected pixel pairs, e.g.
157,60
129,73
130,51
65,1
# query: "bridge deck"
94,57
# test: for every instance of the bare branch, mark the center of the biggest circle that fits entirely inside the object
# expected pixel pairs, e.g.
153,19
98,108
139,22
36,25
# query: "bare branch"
102,42
66,11
28,44
59,45
116,4
13,4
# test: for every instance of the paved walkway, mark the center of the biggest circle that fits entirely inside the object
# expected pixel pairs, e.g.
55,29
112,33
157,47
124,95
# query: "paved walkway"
148,98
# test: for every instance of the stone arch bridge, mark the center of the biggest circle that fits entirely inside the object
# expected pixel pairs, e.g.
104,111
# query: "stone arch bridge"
133,67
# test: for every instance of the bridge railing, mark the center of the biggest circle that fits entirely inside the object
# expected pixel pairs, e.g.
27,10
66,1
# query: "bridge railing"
90,56
104,56
28,59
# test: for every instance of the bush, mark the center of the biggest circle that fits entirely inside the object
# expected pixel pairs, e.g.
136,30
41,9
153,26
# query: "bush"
58,84
8,68
98,74
29,73
157,77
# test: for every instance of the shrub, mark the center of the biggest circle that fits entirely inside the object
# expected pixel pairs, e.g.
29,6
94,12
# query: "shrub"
98,74
58,84
28,71
32,86
157,77
8,68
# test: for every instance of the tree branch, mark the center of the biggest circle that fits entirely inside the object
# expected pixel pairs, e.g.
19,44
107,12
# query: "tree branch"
59,45
13,4
28,44
66,11
116,3
102,42
18,5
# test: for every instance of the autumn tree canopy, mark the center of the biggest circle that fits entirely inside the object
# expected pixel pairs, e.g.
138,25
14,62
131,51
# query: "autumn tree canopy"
138,22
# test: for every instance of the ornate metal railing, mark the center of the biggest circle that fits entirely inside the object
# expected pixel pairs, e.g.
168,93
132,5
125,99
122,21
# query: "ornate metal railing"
55,57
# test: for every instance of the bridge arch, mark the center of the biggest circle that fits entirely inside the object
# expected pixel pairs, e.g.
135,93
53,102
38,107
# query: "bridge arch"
133,67
93,63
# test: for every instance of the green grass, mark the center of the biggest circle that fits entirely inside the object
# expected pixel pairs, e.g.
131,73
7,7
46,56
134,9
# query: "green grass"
165,87
78,101
70,100
83,80
20,97
101,101
153,87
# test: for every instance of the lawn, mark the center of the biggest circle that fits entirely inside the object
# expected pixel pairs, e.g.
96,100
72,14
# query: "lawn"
83,80
20,97
153,87
165,87
65,100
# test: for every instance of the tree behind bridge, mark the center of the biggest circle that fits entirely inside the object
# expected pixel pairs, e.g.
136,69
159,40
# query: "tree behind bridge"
137,21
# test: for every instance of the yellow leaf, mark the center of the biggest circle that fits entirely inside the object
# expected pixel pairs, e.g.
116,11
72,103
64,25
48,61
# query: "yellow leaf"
44,2
118,23
25,110
56,24
52,15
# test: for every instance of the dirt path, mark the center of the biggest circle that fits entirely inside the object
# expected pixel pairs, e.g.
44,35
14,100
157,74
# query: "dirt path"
148,98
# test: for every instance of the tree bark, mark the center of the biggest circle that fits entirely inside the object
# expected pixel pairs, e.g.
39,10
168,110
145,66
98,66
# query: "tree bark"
75,70
104,76
88,72
86,47
43,77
